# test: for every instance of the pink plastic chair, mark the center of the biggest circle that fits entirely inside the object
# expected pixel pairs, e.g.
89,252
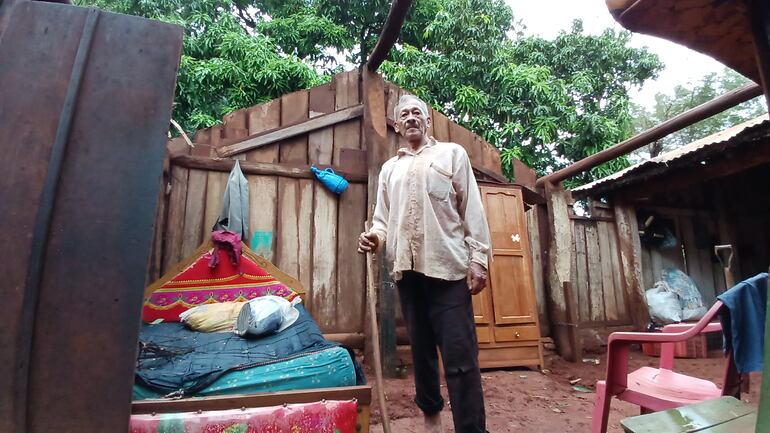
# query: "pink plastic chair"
656,389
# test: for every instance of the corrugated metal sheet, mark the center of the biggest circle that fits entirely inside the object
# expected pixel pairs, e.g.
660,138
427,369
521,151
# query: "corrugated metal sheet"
728,136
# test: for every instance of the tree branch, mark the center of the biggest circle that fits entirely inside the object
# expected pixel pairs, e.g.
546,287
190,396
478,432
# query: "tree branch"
246,18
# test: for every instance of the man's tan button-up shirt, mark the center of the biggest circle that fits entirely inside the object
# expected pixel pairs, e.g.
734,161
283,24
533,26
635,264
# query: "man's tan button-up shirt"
429,212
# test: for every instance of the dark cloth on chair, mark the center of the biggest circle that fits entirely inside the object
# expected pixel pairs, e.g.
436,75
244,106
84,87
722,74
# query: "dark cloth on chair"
743,322
440,313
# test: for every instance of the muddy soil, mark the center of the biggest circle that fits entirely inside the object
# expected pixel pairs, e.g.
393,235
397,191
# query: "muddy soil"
523,400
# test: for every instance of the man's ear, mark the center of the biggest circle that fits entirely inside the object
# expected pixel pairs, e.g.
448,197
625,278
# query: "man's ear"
428,122
396,127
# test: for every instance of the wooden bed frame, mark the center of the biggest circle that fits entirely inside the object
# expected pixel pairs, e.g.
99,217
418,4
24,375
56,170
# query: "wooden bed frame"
362,395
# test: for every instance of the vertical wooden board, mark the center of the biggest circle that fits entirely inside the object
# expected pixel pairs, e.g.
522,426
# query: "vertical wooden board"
263,199
175,219
692,257
461,136
630,261
324,297
491,158
537,269
608,283
295,201
707,227
494,162
264,117
617,273
235,124
321,142
346,89
391,99
352,275
215,191
477,156
431,113
216,136
202,136
392,94
440,126
394,142
656,260
593,258
305,231
647,272
195,207
294,108
582,291
287,239
347,135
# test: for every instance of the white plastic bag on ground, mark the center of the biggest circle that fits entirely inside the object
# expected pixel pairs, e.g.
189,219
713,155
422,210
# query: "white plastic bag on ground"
266,315
689,296
663,304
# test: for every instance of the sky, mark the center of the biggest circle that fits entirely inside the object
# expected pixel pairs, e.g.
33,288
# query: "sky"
547,17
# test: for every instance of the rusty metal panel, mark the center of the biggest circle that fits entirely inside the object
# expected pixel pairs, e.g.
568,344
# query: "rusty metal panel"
84,108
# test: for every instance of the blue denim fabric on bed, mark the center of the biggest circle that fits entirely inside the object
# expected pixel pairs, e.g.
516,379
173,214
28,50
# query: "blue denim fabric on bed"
174,359
328,368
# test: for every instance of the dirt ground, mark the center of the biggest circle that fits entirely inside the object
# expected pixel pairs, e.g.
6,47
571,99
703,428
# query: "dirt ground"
523,400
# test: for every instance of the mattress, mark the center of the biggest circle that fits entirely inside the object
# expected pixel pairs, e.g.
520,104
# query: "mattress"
176,361
330,367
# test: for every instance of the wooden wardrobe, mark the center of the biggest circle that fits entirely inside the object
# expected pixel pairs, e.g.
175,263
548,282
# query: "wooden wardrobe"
506,310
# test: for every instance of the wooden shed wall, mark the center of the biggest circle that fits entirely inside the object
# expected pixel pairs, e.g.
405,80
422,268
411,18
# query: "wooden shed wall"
296,222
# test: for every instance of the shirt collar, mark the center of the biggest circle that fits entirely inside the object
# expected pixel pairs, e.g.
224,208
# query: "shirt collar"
408,151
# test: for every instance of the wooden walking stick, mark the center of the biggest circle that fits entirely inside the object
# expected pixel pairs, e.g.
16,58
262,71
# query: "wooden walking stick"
371,297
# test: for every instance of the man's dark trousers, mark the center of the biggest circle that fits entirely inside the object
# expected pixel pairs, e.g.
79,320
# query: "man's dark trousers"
440,313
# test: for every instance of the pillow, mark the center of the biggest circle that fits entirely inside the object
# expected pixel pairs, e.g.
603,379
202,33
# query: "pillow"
218,317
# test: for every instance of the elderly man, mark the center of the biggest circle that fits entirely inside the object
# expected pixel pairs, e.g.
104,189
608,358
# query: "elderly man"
430,218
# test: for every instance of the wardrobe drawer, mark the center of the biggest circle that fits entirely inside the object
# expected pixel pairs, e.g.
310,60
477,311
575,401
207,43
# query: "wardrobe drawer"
516,333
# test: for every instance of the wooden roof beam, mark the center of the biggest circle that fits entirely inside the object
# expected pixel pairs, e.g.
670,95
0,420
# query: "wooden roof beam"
681,121
389,35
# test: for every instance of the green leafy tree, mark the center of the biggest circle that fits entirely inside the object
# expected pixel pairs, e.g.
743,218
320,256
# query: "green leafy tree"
546,102
225,64
685,97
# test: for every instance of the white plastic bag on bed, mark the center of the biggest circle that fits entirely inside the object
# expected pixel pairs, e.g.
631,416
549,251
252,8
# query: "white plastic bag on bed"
663,304
266,315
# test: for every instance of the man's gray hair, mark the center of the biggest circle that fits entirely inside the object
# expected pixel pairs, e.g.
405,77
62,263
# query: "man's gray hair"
407,99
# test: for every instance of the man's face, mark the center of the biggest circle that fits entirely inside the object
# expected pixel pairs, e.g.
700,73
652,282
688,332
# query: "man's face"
412,124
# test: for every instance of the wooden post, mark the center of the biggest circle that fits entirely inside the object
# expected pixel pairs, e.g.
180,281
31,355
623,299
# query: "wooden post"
573,330
631,263
559,265
375,136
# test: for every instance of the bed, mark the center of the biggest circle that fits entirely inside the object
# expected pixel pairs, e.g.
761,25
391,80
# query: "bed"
293,381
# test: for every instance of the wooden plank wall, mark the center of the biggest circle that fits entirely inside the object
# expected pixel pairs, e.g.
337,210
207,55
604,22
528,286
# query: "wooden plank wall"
599,291
297,223
294,222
